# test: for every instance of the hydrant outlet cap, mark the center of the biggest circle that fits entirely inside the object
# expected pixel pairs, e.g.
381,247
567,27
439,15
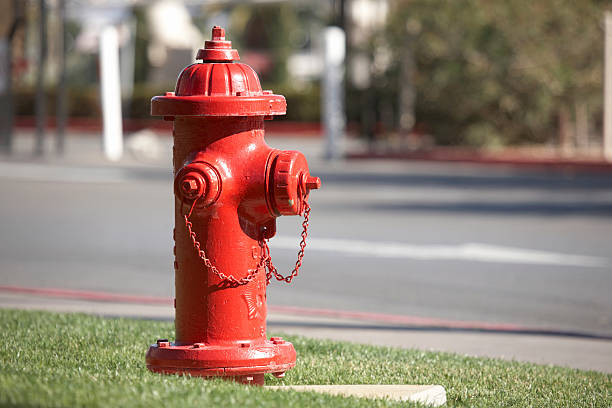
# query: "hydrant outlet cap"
290,183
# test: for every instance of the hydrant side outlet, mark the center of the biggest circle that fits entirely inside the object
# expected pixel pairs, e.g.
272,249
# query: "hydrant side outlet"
229,187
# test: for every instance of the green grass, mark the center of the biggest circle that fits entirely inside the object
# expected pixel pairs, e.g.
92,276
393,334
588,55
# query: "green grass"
72,360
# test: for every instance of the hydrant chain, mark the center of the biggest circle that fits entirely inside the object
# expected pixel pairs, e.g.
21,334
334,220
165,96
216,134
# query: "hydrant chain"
272,271
227,278
265,258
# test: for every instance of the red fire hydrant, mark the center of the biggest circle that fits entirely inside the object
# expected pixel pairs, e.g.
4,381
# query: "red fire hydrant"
229,189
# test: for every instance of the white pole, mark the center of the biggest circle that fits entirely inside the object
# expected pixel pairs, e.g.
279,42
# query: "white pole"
127,60
607,139
333,92
111,93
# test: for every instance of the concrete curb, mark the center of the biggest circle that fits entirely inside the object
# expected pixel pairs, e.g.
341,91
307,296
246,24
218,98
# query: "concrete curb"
459,155
432,395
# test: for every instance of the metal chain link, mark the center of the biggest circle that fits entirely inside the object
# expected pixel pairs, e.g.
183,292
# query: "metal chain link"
272,271
264,261
228,278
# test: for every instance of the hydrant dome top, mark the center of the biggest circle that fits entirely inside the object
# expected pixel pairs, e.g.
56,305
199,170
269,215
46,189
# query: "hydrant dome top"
218,79
218,86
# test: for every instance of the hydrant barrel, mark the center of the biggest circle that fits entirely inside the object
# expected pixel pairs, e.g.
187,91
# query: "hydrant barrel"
229,187
209,309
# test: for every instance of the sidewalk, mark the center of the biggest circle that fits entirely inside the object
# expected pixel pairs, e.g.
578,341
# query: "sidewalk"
149,148
574,352
153,147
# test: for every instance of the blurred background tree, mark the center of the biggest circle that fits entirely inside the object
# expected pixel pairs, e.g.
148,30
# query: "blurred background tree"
503,73
476,73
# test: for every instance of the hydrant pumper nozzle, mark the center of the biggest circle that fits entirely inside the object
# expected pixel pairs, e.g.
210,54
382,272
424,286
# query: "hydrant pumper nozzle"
229,188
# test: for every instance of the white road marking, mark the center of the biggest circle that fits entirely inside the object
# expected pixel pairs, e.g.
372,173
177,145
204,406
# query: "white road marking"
464,252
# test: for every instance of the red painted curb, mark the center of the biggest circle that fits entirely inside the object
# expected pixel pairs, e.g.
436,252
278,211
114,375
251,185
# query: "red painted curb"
291,310
460,155
87,295
75,124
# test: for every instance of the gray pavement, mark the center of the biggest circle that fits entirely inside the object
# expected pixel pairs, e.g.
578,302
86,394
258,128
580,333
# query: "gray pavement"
465,242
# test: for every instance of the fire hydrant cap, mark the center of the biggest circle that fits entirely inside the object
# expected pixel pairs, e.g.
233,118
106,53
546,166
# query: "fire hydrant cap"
290,183
218,86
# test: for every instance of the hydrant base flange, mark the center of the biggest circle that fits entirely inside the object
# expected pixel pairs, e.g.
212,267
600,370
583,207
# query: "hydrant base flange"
237,360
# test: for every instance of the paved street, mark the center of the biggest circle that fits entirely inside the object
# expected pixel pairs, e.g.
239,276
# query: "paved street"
461,242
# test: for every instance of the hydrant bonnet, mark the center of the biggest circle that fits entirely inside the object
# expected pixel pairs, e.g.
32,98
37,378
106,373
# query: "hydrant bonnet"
218,86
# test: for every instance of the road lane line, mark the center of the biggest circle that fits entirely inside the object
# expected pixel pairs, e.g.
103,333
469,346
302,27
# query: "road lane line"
464,252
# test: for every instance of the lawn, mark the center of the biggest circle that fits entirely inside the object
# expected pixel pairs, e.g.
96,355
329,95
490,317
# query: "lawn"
73,360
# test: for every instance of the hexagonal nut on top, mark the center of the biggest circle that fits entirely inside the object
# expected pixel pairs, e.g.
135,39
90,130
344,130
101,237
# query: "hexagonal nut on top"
198,181
289,183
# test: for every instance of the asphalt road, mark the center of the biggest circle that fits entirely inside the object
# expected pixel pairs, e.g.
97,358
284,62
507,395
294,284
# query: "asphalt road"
476,243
